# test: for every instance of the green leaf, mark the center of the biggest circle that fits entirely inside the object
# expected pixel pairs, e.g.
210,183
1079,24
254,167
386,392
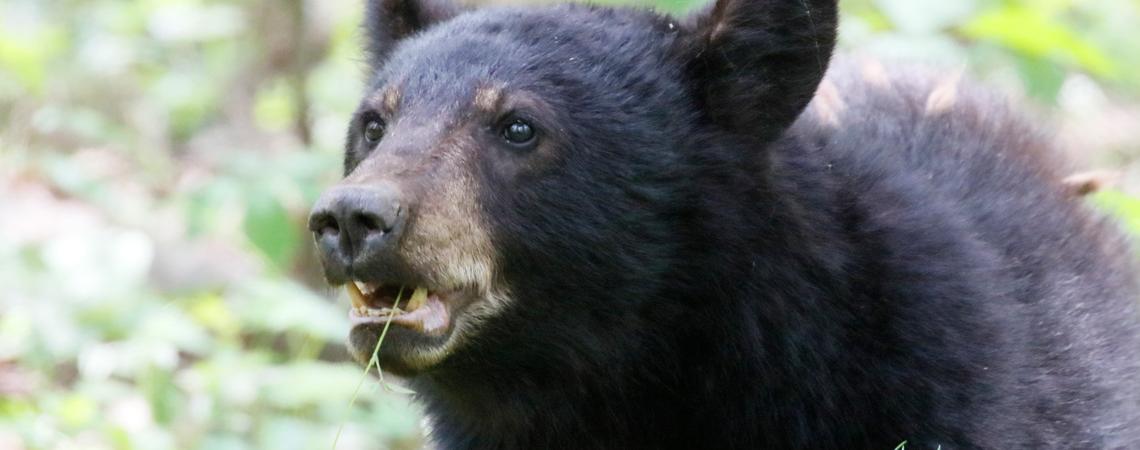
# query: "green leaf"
270,228
275,107
76,410
26,56
918,17
278,306
1043,80
1125,207
1033,33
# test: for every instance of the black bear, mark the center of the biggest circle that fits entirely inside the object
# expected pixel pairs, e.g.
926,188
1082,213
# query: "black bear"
596,227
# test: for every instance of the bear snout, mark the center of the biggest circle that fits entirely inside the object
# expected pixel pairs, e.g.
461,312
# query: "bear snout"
355,224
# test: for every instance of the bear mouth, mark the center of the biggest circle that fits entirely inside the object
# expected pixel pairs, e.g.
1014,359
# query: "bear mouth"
417,308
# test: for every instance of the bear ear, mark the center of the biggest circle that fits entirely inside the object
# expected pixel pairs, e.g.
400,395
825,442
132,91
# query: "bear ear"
755,64
389,21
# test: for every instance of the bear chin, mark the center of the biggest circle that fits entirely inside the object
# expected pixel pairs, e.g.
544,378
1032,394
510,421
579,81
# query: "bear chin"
405,352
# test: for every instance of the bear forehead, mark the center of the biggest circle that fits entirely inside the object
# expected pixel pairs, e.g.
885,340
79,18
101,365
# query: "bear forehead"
522,46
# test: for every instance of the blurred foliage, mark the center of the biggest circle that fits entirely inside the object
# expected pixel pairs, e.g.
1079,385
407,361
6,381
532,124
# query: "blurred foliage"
1034,44
157,160
1123,206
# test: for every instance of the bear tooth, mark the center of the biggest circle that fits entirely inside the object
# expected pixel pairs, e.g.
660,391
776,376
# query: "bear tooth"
367,288
356,296
419,297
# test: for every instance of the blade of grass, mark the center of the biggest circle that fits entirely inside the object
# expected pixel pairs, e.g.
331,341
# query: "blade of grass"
373,361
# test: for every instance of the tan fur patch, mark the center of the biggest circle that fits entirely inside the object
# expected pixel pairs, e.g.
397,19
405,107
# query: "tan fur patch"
875,74
467,325
944,96
487,98
449,239
1085,183
391,99
829,104
718,31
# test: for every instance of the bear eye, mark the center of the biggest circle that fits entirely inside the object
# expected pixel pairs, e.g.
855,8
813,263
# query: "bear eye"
518,133
373,131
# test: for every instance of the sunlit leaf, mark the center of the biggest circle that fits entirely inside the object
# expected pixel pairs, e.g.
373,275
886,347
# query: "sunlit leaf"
1124,207
275,107
211,311
918,17
76,410
25,53
1030,31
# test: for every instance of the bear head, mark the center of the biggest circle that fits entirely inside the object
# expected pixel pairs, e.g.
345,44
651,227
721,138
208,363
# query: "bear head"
518,181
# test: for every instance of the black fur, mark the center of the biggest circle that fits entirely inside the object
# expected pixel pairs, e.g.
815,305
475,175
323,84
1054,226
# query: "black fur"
770,53
390,21
691,269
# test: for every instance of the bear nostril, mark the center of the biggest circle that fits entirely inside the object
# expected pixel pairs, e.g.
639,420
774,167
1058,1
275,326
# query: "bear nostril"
371,223
323,224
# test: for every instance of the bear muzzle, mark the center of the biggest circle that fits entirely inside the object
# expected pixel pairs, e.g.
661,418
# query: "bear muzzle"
358,228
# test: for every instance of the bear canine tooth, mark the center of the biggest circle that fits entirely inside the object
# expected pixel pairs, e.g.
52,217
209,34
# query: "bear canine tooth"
356,296
419,297
367,288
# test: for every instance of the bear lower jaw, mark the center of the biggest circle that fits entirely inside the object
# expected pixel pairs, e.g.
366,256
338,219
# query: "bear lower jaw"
404,352
416,339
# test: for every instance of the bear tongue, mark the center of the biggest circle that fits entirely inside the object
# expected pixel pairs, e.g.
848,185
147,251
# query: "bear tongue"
430,318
